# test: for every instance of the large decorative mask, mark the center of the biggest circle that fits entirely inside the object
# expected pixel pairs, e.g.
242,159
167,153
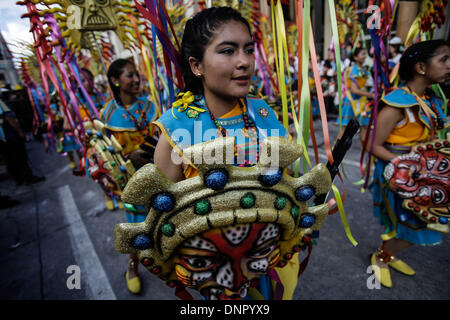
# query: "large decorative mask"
422,178
223,229
95,15
77,19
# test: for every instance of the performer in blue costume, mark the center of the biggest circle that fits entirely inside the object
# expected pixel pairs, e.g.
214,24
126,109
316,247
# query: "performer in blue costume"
128,118
409,115
217,64
96,96
356,100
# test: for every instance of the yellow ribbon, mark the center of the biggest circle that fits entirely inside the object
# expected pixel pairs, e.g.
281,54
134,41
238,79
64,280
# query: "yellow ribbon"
343,216
183,103
392,216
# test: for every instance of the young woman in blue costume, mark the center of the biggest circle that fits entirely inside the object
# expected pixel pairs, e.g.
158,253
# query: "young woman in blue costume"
402,122
217,63
128,118
356,99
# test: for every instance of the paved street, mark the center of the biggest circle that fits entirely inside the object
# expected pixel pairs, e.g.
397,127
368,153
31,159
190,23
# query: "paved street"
62,222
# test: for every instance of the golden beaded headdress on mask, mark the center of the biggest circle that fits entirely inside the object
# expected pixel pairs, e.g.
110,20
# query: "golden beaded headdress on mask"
221,195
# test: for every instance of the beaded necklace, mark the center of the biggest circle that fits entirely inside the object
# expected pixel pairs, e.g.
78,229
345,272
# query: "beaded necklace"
249,131
143,116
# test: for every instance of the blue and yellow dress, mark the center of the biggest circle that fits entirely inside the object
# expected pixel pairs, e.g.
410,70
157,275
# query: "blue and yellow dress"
355,105
85,109
130,124
190,123
415,128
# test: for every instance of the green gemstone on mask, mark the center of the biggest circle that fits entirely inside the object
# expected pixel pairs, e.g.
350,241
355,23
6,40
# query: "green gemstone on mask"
280,203
168,229
294,212
248,200
103,148
112,163
202,207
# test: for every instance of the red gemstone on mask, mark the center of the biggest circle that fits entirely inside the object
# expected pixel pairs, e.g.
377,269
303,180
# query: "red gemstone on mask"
147,262
156,270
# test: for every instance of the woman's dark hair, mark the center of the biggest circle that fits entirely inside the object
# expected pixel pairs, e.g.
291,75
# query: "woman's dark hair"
87,72
197,34
418,52
114,71
356,52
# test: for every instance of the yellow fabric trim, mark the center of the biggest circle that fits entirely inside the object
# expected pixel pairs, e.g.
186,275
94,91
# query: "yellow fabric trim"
288,276
236,111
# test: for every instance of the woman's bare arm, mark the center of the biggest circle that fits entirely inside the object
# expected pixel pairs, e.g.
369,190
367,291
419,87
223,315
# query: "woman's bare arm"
387,119
355,90
163,160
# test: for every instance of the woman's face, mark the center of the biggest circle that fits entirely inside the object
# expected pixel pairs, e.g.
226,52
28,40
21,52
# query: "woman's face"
88,83
228,62
129,80
438,67
361,56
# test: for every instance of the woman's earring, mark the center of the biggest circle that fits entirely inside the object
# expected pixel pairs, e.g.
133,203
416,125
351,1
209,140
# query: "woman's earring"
117,85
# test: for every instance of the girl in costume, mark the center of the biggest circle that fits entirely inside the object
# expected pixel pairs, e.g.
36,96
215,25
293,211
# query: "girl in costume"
217,62
67,144
97,98
408,115
355,101
128,118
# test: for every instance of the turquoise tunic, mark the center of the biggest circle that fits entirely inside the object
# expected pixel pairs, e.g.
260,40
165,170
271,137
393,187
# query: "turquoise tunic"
130,134
188,126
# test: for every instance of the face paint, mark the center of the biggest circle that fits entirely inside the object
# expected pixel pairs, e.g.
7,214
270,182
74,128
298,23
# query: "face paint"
221,263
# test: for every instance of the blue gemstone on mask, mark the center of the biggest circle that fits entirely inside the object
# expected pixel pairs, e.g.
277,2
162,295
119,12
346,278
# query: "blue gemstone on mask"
111,149
443,220
142,242
307,220
271,177
89,132
123,169
99,135
304,193
216,179
163,202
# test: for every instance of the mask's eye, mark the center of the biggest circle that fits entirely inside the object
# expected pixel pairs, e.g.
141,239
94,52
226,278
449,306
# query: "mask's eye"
264,251
198,263
443,165
438,196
